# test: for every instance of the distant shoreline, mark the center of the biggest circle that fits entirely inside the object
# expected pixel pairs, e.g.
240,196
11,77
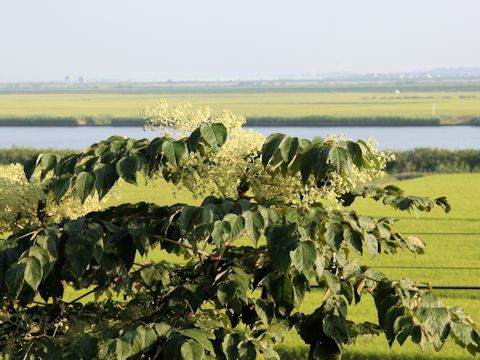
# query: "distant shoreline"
305,121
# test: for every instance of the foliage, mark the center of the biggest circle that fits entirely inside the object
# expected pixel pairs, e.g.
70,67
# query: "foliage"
18,155
418,160
24,203
323,120
429,160
250,258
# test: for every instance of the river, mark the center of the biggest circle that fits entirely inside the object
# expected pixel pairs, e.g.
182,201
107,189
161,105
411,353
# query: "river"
393,138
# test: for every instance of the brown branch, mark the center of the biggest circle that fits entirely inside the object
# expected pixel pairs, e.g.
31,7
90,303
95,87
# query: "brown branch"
84,295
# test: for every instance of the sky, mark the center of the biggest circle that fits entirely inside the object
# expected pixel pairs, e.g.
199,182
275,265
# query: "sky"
152,40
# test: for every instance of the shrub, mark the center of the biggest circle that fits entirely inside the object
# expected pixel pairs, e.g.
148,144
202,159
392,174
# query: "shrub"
24,203
428,160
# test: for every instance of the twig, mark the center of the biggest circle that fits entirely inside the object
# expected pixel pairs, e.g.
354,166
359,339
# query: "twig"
39,303
28,350
186,246
219,257
84,295
35,233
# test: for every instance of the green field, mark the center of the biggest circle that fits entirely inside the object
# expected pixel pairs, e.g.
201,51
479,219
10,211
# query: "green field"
443,250
450,107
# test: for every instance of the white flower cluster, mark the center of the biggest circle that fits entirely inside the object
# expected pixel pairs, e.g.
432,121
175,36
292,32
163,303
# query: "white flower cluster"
182,119
19,200
222,171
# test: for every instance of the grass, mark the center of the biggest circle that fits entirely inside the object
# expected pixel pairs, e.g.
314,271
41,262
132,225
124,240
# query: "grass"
442,250
452,106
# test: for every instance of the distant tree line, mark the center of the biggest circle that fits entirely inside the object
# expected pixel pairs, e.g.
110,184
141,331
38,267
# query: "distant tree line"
19,155
321,120
431,160
311,120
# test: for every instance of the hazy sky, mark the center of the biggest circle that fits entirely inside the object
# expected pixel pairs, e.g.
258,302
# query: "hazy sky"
222,39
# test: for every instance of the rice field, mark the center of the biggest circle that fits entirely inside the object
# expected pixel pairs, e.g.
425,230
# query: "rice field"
451,107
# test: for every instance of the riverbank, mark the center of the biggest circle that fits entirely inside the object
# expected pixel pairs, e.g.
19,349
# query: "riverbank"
294,108
266,121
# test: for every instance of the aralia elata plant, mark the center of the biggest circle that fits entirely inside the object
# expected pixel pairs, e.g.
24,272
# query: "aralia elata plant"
273,221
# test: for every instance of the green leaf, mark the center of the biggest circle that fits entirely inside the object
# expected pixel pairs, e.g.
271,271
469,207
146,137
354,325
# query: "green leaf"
162,328
254,224
332,281
463,333
33,272
280,241
143,340
299,285
339,158
60,186
270,354
246,351
372,243
402,328
122,348
188,218
436,322
199,336
213,135
356,153
176,152
241,281
230,346
282,292
354,238
270,147
105,178
43,256
334,235
366,223
303,257
225,293
319,263
352,267
14,278
30,165
237,225
313,161
127,169
288,149
84,185
98,249
88,346
78,248
220,132
335,327
264,312
192,350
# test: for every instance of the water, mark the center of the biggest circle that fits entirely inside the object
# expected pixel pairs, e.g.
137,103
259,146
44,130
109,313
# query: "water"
394,138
